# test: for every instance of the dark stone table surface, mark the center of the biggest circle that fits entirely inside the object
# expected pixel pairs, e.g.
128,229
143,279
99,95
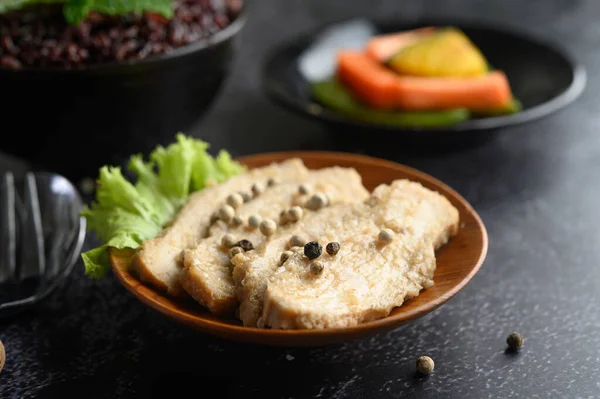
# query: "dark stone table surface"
536,188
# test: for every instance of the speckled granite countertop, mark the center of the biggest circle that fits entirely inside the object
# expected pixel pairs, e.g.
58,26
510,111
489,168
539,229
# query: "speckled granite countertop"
536,189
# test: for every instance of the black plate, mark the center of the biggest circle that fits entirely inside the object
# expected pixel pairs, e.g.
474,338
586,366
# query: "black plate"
544,77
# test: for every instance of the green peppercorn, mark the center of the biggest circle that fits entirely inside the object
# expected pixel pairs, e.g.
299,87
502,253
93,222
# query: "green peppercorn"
285,256
303,189
234,251
257,189
271,182
235,200
317,202
313,250
425,365
515,341
386,236
254,221
333,248
226,212
316,267
236,221
268,227
294,213
283,217
245,195
297,241
228,241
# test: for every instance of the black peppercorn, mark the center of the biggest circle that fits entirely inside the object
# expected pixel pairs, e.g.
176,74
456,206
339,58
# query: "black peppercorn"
333,248
245,244
313,250
515,341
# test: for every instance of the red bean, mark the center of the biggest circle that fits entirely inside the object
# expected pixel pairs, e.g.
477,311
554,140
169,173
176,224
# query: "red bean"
144,52
132,32
10,62
220,20
45,40
9,46
83,30
83,53
72,49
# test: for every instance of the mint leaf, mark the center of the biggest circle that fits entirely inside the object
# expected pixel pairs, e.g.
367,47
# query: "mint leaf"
76,10
9,5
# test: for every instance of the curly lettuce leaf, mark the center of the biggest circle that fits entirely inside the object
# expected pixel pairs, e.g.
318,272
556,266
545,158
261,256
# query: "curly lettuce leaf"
76,10
125,214
226,167
147,185
175,166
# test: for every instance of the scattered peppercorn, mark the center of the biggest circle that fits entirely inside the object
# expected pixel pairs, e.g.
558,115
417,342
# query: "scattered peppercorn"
236,221
226,212
386,236
234,251
283,217
297,241
285,256
304,189
295,213
245,196
515,341
313,250
245,245
88,184
2,355
257,189
228,241
333,248
235,200
316,267
316,202
214,217
254,221
425,365
271,182
268,227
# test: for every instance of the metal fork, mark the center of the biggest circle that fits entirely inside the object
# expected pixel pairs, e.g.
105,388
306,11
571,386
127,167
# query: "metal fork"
41,236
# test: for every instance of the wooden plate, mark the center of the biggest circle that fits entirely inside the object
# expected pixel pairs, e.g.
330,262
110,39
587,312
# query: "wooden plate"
457,263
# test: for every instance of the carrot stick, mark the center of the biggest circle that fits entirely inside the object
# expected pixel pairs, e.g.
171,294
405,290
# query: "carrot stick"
379,87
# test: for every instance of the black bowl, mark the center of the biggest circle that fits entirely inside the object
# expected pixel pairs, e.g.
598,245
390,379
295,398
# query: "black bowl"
543,77
74,121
